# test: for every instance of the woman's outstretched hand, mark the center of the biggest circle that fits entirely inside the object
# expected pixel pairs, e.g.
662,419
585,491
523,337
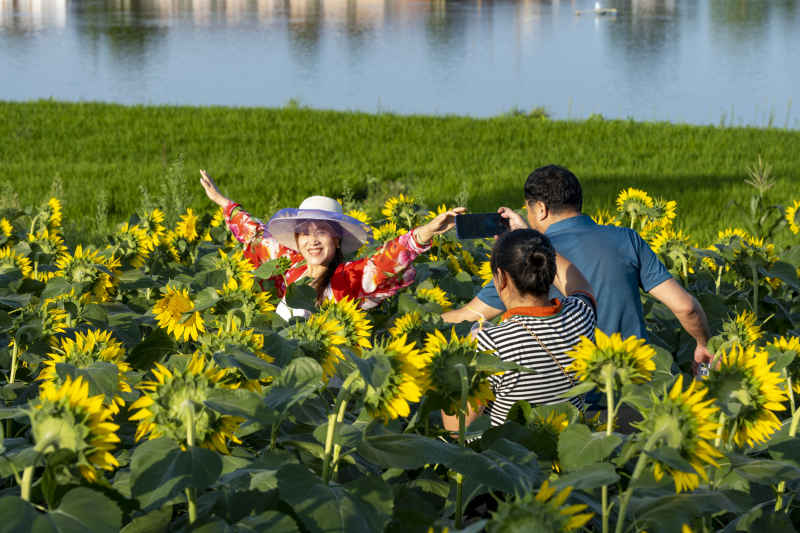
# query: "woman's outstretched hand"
211,190
440,224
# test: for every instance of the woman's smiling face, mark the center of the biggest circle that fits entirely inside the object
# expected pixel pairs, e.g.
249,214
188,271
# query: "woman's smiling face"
317,242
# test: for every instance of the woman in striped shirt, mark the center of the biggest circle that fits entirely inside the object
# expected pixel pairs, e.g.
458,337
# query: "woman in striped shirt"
536,332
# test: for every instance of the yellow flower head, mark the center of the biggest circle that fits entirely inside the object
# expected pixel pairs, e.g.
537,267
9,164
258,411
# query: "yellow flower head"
401,210
361,216
633,202
131,245
88,266
405,382
628,361
745,378
605,218
485,273
664,211
174,312
49,242
321,338
741,329
65,417
354,321
670,241
246,296
238,270
53,214
793,217
789,346
172,404
152,222
187,227
86,349
684,420
222,339
6,228
544,512
445,382
435,295
11,260
405,324
386,232
435,213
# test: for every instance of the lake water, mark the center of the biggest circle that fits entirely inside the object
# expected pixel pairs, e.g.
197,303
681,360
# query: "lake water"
695,61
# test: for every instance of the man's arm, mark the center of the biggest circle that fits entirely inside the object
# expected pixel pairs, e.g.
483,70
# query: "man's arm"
473,311
569,279
450,422
689,313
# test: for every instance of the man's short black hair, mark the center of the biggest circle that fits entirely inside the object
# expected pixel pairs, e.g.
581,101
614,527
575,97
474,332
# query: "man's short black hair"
528,257
556,187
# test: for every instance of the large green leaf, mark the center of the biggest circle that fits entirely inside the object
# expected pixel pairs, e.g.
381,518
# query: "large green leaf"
251,366
765,471
299,380
103,378
243,403
579,447
155,347
81,510
589,477
153,522
301,296
205,299
160,470
56,287
362,506
670,513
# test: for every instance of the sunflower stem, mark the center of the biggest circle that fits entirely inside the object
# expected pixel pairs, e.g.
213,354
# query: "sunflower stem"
790,391
27,479
792,434
191,493
339,407
637,472
326,462
718,281
608,378
755,289
720,429
337,448
14,361
462,432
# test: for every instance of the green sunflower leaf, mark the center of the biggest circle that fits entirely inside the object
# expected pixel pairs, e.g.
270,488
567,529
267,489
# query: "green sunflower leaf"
579,447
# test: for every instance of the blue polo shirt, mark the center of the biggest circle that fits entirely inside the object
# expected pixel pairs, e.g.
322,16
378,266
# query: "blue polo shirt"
616,261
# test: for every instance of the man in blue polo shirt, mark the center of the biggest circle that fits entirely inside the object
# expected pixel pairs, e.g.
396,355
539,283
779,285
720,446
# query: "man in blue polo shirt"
616,261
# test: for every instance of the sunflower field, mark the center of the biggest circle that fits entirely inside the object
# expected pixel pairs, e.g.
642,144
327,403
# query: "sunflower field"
148,385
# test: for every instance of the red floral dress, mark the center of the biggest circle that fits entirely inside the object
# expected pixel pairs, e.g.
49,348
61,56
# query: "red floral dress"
368,281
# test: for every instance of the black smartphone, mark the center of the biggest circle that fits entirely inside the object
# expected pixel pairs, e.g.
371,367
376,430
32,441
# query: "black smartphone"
480,225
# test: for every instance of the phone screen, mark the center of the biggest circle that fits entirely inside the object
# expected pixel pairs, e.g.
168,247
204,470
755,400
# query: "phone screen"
480,225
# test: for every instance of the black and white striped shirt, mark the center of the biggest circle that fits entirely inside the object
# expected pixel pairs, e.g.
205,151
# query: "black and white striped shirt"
559,327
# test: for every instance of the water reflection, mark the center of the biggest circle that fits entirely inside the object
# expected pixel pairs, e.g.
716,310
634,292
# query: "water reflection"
674,57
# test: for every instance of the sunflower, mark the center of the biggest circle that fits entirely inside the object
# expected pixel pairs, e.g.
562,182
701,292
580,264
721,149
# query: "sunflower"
401,210
405,324
386,232
786,346
354,321
435,213
218,341
625,361
321,338
187,227
605,218
132,245
435,295
544,512
685,421
744,378
152,222
361,216
88,267
49,242
664,211
246,297
6,227
10,260
236,267
635,204
546,430
172,405
793,217
84,350
453,265
445,382
405,382
485,273
742,330
174,312
65,417
53,212
674,246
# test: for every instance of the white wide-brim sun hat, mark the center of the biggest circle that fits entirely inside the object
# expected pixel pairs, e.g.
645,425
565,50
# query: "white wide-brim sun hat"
283,224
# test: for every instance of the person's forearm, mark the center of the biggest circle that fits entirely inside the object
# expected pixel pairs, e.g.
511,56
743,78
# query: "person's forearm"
695,323
569,279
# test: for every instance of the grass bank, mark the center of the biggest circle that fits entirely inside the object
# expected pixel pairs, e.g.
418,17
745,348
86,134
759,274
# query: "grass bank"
105,156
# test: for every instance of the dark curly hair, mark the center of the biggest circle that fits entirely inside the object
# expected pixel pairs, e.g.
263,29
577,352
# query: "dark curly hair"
556,187
528,257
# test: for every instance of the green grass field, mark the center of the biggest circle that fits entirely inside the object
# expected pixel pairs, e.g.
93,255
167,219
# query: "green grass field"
269,158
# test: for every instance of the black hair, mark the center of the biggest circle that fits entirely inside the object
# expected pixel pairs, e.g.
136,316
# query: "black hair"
321,283
556,187
528,257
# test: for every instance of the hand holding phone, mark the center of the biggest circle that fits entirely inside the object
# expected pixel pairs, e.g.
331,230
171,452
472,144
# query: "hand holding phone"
480,225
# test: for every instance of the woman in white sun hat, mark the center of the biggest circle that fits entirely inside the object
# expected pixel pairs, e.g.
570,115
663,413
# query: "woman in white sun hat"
318,235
